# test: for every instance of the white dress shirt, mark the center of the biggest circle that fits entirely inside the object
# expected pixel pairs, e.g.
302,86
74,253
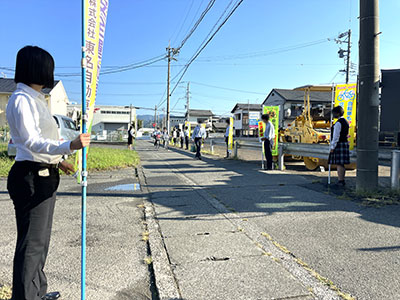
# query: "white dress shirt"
337,128
33,128
269,132
199,132
227,131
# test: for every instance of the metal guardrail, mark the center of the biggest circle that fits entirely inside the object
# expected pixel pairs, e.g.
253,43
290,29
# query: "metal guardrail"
320,151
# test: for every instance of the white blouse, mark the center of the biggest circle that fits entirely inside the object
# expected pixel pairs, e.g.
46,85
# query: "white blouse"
33,128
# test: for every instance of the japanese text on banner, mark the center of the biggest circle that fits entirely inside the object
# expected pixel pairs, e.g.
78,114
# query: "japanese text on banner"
346,97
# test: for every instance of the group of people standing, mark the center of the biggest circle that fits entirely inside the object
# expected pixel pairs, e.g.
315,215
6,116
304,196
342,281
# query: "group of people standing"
177,137
181,137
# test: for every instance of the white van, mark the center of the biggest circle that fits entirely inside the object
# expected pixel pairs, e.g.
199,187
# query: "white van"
66,129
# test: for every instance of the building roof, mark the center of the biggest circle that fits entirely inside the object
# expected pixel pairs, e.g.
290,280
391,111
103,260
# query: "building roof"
246,106
298,96
177,117
200,113
8,86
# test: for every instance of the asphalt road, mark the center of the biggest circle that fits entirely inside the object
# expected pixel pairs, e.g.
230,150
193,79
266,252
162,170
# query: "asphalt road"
353,246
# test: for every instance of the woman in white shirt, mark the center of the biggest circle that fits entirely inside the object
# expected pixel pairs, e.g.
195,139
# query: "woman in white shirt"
34,178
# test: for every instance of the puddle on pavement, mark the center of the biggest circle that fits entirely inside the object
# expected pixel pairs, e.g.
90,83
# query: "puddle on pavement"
124,187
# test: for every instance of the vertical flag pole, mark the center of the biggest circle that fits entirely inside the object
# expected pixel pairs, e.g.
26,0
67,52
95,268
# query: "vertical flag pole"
84,151
332,101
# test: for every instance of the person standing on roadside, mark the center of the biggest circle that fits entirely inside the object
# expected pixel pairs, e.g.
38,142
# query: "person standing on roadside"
131,136
157,138
339,147
199,134
34,178
181,137
187,137
174,136
227,137
268,140
165,138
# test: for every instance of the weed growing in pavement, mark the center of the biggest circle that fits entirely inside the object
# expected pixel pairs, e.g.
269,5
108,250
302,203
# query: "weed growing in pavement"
5,292
378,198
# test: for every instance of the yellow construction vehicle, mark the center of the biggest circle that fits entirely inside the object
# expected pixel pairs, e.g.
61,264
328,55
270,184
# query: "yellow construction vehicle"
308,129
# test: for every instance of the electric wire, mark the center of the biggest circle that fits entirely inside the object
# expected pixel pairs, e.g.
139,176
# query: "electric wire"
205,45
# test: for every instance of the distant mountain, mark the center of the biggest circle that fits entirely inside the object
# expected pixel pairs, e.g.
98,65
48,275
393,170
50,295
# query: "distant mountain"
149,119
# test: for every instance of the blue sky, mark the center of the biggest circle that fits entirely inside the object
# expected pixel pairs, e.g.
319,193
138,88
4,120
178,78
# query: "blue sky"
239,57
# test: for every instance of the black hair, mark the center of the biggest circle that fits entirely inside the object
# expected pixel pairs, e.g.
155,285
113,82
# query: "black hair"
338,110
227,121
265,117
34,66
186,127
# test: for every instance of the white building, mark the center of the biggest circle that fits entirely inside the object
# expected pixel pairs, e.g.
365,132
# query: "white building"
106,118
241,113
56,98
196,115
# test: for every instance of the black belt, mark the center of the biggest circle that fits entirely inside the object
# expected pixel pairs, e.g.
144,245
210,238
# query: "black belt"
38,165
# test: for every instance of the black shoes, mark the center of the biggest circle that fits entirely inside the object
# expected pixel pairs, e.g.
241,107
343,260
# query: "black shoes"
51,296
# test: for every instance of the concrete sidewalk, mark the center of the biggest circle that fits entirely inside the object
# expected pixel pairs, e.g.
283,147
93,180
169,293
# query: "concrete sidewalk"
231,231
115,250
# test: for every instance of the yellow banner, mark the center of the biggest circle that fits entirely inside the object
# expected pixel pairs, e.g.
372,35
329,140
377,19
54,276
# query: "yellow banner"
230,136
95,25
346,97
273,112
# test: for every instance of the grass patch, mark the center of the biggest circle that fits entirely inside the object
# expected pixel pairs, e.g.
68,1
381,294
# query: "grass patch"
99,159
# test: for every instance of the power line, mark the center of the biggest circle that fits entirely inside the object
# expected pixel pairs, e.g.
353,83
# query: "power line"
184,20
208,41
228,89
203,14
119,69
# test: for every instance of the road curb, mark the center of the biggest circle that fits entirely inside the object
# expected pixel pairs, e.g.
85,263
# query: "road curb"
165,281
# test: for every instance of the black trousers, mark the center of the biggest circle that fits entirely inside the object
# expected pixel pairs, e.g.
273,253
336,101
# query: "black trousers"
182,142
227,146
268,153
187,142
197,142
32,187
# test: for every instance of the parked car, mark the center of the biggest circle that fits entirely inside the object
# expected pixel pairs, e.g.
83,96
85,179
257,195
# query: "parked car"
66,129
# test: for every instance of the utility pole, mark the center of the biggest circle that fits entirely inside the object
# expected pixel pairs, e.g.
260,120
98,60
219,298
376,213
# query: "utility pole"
155,116
130,114
348,56
188,101
345,53
164,119
368,113
136,122
170,55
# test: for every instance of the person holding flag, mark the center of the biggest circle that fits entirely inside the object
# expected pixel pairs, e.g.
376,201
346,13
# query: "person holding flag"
268,139
34,178
339,147
227,137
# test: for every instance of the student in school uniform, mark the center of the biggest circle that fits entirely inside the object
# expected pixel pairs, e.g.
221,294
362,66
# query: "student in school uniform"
268,139
34,178
339,147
